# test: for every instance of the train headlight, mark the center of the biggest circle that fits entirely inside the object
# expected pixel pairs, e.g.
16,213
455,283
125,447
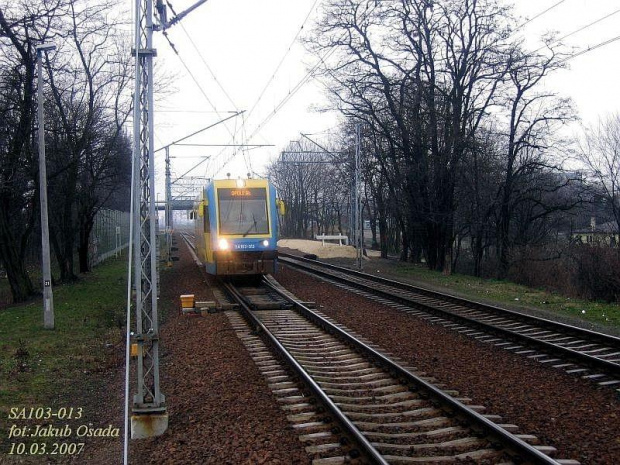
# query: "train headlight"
266,243
240,183
223,244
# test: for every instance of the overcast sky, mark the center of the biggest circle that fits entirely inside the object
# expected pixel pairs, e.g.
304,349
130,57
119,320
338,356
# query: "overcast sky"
241,42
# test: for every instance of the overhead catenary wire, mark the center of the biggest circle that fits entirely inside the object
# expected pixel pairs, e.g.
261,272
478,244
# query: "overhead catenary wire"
174,49
283,102
292,92
273,75
590,49
310,74
233,134
202,91
583,28
223,120
204,62
247,159
539,14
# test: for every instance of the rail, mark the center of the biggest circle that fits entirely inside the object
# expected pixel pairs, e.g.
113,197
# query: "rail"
610,342
516,447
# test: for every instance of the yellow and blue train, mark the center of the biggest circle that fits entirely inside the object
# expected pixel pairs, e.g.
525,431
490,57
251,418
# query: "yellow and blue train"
236,227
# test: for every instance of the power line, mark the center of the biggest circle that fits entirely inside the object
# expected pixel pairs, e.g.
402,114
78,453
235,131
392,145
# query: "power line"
539,14
199,131
283,102
159,110
225,145
233,135
209,68
298,86
174,21
176,52
282,59
248,160
582,28
589,49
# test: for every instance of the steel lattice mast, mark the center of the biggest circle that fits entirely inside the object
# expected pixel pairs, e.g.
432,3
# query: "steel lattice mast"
149,415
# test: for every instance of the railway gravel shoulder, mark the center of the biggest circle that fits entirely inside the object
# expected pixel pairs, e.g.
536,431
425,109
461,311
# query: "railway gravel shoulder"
582,422
221,409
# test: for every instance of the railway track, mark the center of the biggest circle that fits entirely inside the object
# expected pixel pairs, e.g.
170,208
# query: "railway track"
592,355
353,403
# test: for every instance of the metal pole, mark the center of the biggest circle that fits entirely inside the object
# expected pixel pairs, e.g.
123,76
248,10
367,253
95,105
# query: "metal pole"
150,417
168,214
358,199
48,295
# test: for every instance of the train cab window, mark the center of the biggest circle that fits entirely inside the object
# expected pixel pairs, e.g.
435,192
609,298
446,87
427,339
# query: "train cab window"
243,211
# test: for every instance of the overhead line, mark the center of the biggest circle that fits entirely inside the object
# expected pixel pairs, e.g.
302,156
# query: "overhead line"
539,14
227,145
192,111
589,49
282,59
196,82
307,136
199,131
581,28
209,68
192,75
290,94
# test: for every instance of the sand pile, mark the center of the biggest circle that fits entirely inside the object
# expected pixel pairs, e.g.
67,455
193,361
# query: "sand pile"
329,250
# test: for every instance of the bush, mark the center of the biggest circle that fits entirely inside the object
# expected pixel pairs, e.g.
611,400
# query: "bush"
583,271
596,272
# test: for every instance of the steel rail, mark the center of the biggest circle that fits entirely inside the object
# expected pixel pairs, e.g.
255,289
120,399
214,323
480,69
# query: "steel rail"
577,331
352,430
517,446
608,366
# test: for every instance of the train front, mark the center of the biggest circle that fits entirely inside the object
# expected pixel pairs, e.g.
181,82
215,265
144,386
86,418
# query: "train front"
243,226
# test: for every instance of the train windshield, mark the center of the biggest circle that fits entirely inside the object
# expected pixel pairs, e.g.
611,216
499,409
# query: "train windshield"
243,211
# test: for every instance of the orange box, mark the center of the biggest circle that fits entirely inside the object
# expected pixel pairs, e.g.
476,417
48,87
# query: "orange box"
187,301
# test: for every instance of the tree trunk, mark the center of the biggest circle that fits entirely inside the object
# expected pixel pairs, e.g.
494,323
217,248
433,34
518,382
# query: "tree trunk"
19,281
84,241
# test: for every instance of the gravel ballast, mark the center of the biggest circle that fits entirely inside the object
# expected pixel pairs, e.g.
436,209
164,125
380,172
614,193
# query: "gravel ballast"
221,409
222,412
578,418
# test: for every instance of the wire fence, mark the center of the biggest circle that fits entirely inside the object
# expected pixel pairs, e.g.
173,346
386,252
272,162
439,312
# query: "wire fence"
110,235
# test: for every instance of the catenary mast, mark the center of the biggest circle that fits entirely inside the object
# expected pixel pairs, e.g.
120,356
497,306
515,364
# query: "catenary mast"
149,414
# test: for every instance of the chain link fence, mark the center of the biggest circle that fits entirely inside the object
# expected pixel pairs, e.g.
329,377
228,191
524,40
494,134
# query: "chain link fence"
110,235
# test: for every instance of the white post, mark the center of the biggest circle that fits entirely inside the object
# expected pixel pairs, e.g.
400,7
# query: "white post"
48,295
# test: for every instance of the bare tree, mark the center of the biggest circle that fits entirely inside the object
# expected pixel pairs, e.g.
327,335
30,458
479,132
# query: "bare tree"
22,25
88,82
535,116
476,204
85,111
423,75
599,151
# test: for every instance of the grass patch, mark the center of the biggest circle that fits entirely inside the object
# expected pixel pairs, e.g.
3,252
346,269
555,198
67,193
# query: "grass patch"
48,368
505,292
